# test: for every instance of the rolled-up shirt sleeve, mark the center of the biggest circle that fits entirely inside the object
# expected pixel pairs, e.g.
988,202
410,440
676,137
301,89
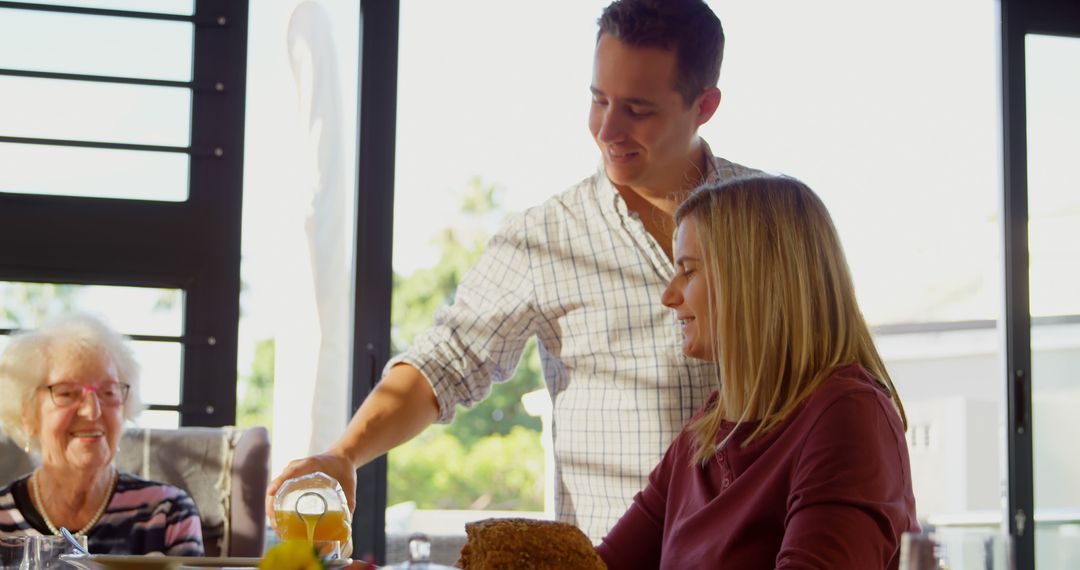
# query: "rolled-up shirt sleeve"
478,339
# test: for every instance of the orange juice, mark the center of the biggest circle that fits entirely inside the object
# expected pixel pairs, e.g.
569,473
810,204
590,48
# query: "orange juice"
331,526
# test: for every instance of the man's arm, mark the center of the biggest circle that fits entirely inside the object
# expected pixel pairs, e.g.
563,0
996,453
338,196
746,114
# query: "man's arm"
400,407
475,341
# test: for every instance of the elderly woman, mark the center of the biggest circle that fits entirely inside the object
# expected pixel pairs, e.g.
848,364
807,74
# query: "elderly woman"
798,460
67,389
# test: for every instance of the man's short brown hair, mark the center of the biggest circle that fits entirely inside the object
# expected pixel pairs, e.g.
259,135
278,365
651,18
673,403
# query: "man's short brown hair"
688,27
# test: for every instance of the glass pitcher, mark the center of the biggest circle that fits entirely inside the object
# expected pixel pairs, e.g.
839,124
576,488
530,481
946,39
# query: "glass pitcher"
313,508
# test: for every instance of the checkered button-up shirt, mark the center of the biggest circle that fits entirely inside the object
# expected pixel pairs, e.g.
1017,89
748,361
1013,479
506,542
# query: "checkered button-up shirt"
581,273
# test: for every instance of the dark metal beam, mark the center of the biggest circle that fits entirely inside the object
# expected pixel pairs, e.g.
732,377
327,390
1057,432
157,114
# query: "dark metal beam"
97,11
1020,503
106,145
1052,17
94,78
212,307
374,238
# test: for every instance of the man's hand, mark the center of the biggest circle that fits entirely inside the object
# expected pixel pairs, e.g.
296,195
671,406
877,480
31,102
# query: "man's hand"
401,406
332,463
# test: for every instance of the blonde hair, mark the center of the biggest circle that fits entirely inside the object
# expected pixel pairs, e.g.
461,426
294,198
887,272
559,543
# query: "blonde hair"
785,313
24,367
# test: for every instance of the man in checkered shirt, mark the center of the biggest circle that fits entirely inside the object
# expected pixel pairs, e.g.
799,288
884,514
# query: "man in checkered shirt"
583,272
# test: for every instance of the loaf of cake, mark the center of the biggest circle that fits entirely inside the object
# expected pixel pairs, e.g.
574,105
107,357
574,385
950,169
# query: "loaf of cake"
527,544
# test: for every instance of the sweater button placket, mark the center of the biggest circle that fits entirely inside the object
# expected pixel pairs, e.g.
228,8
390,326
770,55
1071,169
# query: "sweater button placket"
721,458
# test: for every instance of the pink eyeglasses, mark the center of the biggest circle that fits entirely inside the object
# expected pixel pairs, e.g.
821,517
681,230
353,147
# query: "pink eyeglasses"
68,393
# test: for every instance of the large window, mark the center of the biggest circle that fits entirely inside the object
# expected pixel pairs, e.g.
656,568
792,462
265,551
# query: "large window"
298,224
155,313
505,131
1053,136
121,147
891,113
894,122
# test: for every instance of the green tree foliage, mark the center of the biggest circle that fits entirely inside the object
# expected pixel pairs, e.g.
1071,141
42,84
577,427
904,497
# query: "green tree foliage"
256,390
501,472
27,305
490,457
416,297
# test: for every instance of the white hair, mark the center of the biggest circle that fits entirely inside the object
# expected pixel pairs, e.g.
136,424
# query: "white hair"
24,367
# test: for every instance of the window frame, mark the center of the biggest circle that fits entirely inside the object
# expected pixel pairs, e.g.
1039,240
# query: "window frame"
380,21
192,245
1018,18
376,136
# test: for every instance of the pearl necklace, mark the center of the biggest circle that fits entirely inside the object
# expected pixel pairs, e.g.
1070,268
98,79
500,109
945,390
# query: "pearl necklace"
36,487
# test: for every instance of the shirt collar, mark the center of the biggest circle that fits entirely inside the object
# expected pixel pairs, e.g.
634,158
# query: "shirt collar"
711,173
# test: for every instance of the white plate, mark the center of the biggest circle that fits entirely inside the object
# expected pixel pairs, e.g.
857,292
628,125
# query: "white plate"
124,562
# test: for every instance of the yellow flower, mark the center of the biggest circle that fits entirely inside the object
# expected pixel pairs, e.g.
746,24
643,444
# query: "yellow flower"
292,555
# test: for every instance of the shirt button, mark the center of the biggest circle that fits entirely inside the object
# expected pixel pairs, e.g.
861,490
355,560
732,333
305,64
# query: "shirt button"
725,482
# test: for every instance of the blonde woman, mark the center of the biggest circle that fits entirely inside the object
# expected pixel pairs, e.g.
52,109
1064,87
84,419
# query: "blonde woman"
798,460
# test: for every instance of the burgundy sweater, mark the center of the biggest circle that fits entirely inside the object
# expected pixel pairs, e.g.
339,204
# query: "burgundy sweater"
830,487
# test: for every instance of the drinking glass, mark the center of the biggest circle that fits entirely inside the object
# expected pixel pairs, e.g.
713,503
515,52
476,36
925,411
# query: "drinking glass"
955,549
328,549
44,551
918,551
13,552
